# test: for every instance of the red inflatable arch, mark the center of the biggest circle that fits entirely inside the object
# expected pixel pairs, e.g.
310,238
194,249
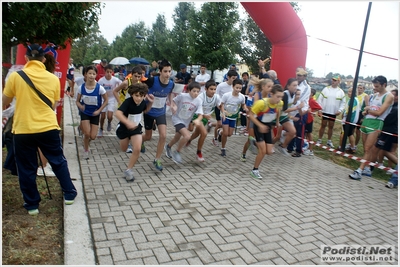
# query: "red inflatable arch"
284,29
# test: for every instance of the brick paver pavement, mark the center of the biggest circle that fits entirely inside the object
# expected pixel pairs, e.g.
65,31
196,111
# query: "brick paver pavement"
215,213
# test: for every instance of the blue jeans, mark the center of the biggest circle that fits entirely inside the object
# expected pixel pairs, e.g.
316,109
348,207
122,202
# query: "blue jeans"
25,149
300,132
394,177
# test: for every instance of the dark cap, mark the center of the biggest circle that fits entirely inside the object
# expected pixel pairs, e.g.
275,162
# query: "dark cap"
104,60
182,66
34,50
380,79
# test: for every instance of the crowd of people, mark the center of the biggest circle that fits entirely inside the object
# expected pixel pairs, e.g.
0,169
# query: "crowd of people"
268,112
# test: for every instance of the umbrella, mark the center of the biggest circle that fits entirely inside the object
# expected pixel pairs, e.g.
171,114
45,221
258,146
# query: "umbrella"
119,61
97,61
139,60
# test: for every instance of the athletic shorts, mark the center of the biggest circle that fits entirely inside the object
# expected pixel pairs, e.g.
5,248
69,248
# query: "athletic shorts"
330,117
93,119
110,105
385,141
351,129
371,125
179,127
266,137
203,120
309,127
149,121
231,123
123,132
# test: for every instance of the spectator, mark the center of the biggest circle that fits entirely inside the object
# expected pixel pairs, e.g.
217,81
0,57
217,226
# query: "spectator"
101,69
273,76
353,119
202,77
182,77
231,67
35,126
70,78
332,100
243,119
362,97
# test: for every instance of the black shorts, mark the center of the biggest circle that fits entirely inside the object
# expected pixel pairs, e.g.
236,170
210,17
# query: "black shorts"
122,132
351,129
266,137
309,126
385,142
330,117
149,121
217,114
93,119
179,127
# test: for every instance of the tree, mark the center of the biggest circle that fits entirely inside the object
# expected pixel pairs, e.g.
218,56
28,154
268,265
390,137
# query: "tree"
310,73
349,77
255,44
215,37
181,34
160,42
39,22
83,49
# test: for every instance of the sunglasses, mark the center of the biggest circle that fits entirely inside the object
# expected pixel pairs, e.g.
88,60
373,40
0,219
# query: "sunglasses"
334,80
299,75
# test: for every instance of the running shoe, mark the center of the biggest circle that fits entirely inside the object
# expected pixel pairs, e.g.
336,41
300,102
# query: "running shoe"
223,152
33,212
367,172
256,174
129,175
243,158
168,151
355,175
329,144
129,149
219,135
100,134
176,157
109,127
69,201
390,185
200,157
157,164
319,141
283,150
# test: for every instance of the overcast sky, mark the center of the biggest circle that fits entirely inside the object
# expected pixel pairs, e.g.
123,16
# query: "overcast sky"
337,22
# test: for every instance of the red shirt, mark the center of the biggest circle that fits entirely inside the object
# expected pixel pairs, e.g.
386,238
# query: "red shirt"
101,72
314,107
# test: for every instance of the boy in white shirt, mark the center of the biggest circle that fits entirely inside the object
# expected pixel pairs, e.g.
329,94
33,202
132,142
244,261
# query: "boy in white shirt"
183,107
109,82
230,107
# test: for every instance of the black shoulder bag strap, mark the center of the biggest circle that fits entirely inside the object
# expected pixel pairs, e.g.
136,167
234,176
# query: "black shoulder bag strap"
29,82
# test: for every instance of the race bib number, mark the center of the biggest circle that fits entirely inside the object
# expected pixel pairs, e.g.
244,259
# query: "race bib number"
89,100
159,102
268,117
231,109
135,118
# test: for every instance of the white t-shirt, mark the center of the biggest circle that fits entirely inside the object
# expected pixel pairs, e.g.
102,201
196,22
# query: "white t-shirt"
109,85
232,104
209,103
203,78
223,88
186,108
